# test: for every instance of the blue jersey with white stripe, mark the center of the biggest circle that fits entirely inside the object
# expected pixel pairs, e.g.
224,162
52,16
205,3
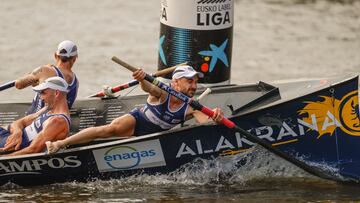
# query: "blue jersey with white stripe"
38,103
154,118
31,131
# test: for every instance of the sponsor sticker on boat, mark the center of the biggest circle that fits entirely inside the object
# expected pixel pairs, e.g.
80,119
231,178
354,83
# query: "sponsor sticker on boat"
130,156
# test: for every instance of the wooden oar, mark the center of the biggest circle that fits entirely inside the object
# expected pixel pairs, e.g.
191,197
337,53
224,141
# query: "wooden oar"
7,85
132,83
228,123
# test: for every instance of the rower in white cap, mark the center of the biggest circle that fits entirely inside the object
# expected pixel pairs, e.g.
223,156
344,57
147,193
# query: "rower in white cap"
51,123
161,112
65,57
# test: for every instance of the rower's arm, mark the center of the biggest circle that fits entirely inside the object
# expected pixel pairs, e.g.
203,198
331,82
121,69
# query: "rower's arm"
33,78
54,129
14,140
21,123
200,117
153,90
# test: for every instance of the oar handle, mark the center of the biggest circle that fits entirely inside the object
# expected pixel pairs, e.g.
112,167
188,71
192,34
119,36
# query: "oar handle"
134,82
167,70
124,64
7,85
133,69
193,103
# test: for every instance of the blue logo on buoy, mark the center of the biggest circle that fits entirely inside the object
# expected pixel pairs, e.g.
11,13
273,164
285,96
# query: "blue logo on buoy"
215,54
161,51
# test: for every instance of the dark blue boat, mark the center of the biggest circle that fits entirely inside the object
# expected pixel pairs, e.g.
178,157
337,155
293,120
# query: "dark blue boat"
314,122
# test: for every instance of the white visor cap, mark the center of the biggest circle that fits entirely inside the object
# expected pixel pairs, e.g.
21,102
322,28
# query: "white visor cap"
55,83
67,48
186,71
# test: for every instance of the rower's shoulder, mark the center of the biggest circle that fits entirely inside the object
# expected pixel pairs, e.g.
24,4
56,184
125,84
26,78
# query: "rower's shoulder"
57,119
43,70
46,67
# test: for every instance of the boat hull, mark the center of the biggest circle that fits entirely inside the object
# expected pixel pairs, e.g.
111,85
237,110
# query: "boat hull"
319,127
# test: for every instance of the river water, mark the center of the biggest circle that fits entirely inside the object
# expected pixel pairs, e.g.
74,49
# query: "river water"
273,40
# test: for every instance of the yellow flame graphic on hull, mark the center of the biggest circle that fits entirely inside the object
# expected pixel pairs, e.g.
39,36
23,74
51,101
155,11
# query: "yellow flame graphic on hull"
332,113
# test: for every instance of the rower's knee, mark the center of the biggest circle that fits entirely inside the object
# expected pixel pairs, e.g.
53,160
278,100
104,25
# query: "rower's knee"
108,130
123,126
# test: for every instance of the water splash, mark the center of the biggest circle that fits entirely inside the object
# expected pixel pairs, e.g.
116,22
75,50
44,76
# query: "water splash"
240,169
224,178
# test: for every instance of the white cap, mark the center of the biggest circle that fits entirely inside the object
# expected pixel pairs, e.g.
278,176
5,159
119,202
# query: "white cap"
55,83
186,71
67,48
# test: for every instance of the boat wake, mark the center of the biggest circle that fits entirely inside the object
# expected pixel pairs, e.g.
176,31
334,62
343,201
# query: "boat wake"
254,165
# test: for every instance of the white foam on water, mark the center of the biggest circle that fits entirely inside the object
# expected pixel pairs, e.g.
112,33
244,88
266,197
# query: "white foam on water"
245,174
240,169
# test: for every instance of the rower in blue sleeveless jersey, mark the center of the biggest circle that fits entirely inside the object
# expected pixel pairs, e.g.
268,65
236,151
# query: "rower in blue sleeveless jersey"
65,57
161,112
51,123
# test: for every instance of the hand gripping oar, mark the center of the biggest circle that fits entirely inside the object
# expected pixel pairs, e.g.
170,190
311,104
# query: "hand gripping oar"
7,85
228,123
132,83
